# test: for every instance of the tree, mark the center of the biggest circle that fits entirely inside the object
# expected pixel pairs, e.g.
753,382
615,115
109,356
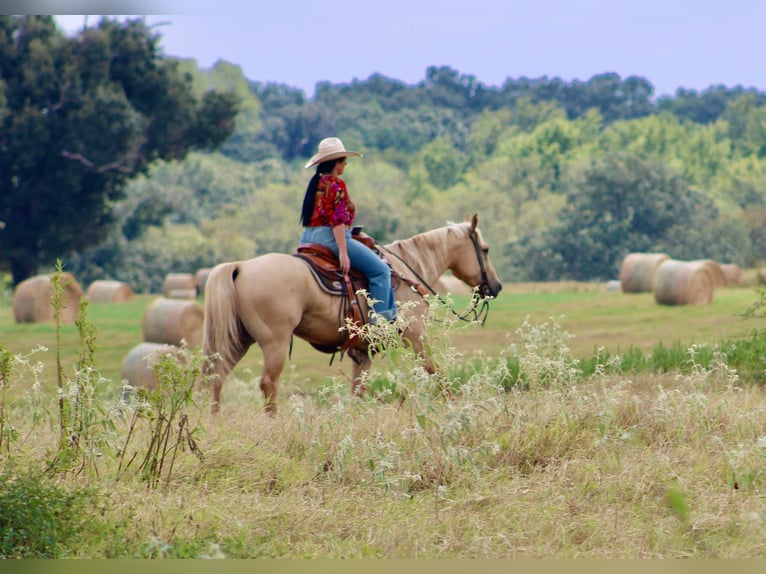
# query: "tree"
626,204
443,163
81,117
707,106
744,122
613,97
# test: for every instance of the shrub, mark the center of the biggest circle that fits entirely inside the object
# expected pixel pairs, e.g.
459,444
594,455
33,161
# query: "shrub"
39,518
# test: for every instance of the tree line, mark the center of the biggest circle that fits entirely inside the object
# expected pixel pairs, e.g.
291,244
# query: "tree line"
567,177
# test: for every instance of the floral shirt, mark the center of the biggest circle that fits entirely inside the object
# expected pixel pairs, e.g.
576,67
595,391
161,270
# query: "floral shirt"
332,205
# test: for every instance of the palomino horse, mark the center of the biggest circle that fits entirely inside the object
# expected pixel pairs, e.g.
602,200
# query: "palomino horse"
268,299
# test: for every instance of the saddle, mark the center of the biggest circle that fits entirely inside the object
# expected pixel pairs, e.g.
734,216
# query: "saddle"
325,267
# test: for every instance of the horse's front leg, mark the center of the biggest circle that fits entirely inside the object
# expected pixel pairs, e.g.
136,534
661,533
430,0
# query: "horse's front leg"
413,337
360,362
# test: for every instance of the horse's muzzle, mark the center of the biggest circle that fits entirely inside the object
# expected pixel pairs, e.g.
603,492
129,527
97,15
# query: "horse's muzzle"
491,289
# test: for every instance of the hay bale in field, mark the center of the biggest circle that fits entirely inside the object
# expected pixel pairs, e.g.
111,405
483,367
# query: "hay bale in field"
181,294
716,272
613,286
171,320
102,291
684,283
200,277
733,273
32,299
451,284
178,281
637,271
138,365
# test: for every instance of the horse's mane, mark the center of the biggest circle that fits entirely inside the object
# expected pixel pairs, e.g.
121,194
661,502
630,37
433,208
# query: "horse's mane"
426,252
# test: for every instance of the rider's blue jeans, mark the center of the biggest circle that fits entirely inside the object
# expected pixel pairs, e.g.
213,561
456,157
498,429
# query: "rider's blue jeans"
362,259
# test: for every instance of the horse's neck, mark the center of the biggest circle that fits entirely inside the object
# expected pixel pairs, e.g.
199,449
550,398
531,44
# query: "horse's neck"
426,253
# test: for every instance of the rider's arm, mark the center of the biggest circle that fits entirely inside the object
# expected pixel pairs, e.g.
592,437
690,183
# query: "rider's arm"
339,231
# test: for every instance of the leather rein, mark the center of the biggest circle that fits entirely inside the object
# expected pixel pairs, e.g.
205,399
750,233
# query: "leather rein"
474,313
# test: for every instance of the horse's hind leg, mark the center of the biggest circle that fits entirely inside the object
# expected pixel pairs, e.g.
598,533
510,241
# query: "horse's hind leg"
219,372
274,357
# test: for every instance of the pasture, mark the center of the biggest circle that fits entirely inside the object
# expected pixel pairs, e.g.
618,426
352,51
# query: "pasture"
592,317
608,465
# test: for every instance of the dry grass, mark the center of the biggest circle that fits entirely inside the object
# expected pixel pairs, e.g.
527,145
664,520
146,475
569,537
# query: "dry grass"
648,467
662,466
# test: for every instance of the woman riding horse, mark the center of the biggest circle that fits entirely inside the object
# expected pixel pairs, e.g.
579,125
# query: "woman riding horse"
328,214
268,299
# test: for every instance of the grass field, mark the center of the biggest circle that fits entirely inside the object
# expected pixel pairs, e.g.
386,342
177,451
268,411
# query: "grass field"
591,315
609,465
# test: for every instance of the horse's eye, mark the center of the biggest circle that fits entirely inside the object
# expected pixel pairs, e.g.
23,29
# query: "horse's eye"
485,250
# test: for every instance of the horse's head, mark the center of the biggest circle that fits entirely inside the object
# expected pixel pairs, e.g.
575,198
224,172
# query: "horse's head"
469,259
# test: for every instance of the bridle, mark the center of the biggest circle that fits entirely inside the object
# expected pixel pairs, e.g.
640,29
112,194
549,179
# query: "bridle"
484,285
474,313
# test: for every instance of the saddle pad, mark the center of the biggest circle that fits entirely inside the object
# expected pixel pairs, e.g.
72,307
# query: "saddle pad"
330,280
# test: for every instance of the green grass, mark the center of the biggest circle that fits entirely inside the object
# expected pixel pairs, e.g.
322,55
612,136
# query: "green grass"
615,321
632,326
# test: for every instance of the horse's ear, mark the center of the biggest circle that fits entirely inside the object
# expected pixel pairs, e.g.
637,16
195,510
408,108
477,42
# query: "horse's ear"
474,222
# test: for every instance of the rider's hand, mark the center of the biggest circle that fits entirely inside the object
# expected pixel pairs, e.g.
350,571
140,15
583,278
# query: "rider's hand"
345,263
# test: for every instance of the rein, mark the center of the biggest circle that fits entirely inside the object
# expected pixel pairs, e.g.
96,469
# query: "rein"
470,315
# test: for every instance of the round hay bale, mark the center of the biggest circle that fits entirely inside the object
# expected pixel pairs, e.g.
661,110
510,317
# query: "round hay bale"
171,320
613,286
201,279
733,273
175,281
182,294
637,271
716,272
684,283
451,284
103,291
138,365
32,299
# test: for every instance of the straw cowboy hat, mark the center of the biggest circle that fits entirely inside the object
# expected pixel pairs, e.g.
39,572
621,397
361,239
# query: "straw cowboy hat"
330,148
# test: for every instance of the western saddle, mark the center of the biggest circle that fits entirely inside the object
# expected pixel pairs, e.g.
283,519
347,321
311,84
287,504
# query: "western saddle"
325,267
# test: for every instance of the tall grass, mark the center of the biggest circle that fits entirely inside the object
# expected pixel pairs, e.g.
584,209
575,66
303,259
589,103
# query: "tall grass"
529,452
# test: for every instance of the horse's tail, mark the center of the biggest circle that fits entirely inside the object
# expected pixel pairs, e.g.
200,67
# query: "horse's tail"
223,333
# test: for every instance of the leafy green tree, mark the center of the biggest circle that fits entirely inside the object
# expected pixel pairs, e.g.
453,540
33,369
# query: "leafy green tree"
443,163
694,150
81,117
486,132
704,107
614,98
245,143
548,148
492,126
449,88
625,204
744,123
743,183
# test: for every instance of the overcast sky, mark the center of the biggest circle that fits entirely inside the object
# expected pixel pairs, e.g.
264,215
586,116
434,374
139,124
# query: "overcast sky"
671,43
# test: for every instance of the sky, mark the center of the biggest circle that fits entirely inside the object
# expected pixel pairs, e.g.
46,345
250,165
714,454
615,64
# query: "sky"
672,43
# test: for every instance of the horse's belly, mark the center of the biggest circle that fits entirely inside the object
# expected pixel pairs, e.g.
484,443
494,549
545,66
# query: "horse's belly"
319,323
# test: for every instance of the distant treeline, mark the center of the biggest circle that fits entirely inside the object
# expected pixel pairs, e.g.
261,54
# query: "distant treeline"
568,177
387,113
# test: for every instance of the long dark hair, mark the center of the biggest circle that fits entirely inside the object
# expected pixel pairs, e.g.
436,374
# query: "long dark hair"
311,189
